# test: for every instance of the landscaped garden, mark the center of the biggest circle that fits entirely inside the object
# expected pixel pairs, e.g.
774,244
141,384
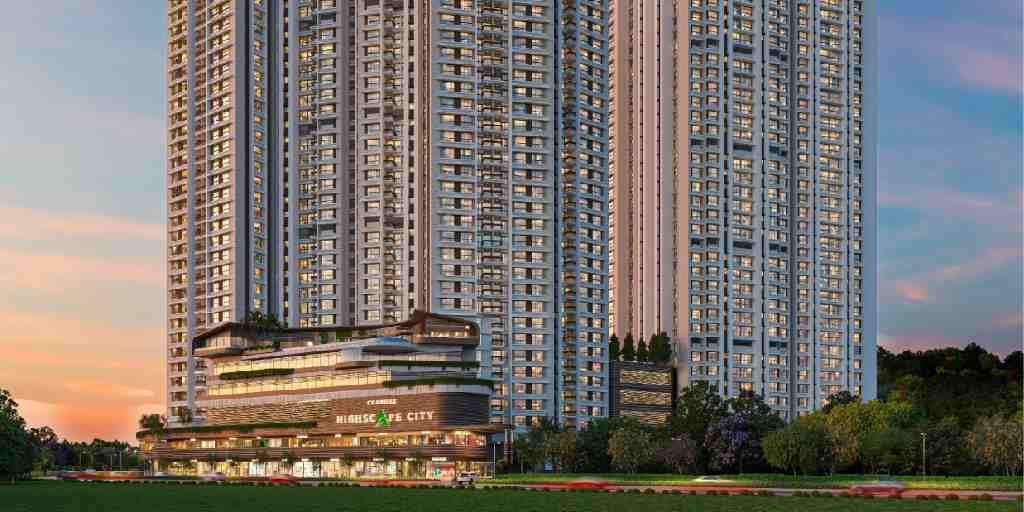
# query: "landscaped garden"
962,483
174,497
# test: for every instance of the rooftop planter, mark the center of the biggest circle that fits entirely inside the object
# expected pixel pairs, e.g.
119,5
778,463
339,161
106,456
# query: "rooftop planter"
446,379
431,364
260,349
252,374
239,427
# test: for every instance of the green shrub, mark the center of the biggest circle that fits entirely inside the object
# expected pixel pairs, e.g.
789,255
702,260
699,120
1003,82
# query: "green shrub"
431,381
448,364
253,374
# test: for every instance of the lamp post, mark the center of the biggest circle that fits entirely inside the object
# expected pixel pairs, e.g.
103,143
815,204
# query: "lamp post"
924,452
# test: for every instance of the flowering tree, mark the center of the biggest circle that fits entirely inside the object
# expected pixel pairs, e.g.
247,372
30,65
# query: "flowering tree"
733,444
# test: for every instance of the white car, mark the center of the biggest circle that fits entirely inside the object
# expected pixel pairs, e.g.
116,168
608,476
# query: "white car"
466,478
215,476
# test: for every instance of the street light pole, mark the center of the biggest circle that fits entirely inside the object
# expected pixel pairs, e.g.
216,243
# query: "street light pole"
924,438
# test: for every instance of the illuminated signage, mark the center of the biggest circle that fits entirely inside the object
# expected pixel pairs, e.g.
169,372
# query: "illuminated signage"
383,418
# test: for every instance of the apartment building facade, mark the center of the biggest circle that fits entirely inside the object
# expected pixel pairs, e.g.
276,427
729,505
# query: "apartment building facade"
742,191
340,162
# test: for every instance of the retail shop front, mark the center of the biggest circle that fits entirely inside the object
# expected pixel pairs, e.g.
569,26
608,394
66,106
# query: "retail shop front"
414,435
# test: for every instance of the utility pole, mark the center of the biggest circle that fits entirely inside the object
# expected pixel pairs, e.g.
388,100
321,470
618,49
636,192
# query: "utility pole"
924,452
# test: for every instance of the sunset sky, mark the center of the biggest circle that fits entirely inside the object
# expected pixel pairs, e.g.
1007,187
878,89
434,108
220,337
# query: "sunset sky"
82,188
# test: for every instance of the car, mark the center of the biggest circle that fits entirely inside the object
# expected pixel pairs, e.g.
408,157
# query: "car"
69,475
466,478
160,474
282,478
214,476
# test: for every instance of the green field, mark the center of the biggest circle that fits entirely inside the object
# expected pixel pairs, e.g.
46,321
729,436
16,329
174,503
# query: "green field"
108,497
962,483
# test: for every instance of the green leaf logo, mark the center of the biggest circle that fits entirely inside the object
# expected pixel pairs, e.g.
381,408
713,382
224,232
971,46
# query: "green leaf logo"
382,419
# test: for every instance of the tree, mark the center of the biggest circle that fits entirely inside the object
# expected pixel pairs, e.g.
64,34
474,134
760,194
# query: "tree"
18,449
152,422
947,451
756,412
733,444
630,448
996,442
629,348
836,399
614,349
679,454
803,446
564,449
965,384
891,449
594,442
262,321
533,449
660,350
46,442
641,351
848,424
698,408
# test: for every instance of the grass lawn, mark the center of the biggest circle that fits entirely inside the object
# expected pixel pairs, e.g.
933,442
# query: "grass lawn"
964,483
106,497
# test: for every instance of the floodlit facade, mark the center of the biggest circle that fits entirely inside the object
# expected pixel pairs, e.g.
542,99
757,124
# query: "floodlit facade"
340,162
398,400
742,191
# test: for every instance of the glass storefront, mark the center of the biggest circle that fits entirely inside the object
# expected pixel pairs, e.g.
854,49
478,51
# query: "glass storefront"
379,440
410,468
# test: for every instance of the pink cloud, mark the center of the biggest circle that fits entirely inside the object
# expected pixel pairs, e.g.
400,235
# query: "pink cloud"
978,55
1009,320
1002,213
919,341
35,224
912,292
916,289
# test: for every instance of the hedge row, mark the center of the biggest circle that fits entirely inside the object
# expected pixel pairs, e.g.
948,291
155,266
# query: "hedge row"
451,364
430,381
252,374
240,427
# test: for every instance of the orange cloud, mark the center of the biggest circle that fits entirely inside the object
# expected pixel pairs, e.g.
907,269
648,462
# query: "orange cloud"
34,224
85,378
912,292
54,272
79,422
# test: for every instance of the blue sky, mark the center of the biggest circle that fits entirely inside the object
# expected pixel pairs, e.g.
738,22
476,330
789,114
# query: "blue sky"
82,180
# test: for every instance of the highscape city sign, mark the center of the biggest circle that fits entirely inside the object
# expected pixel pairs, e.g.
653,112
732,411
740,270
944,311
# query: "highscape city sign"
383,418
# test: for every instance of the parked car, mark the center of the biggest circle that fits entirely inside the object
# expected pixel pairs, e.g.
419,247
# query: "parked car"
466,478
214,476
68,475
282,478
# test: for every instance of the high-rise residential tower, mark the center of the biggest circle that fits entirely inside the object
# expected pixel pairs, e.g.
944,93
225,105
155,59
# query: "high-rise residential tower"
743,185
344,162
